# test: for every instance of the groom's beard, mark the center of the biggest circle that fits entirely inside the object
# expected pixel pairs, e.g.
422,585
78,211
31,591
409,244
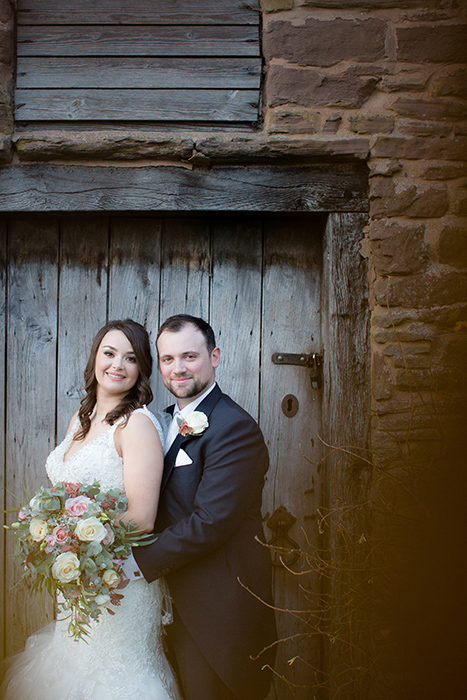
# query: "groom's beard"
190,389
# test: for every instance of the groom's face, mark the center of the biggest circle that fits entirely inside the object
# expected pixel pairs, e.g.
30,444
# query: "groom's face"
186,366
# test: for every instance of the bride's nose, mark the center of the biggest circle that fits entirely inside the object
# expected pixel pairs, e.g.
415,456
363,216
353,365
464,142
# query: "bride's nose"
117,362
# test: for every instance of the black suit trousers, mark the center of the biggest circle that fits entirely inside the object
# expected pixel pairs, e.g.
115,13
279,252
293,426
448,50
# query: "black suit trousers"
196,676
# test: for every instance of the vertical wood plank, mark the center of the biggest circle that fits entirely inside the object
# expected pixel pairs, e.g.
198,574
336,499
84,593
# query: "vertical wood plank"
291,324
185,277
31,398
82,306
236,308
3,282
346,421
135,255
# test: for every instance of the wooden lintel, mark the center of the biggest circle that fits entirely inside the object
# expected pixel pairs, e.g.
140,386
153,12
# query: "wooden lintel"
322,187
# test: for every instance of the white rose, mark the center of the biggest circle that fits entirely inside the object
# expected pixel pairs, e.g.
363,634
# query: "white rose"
66,567
102,599
197,422
111,578
38,529
90,530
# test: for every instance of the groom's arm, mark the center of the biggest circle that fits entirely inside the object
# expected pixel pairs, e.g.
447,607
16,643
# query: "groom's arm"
235,463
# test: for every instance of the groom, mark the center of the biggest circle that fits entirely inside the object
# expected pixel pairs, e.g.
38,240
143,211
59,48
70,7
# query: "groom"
209,520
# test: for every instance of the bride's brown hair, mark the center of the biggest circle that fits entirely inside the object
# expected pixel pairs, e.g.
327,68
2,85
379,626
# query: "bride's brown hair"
139,395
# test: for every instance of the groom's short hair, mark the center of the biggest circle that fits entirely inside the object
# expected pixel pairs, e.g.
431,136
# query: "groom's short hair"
175,323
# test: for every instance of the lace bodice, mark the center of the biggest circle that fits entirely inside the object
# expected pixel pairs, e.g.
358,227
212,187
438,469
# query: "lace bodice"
97,460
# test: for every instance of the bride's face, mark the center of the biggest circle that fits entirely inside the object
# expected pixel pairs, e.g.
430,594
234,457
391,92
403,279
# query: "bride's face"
116,368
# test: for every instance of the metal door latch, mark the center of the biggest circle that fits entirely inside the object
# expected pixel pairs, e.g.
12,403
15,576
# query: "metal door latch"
313,360
285,549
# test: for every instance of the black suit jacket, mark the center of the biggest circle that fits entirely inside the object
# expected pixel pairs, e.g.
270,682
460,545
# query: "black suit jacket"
209,521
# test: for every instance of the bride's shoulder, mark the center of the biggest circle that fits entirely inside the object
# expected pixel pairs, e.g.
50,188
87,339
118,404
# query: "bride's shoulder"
159,420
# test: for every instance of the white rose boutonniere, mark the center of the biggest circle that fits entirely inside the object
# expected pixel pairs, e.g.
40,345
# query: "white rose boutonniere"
195,424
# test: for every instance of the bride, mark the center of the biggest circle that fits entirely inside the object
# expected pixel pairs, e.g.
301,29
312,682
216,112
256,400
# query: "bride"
114,439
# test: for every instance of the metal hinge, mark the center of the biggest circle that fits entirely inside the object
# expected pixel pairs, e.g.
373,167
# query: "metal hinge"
313,360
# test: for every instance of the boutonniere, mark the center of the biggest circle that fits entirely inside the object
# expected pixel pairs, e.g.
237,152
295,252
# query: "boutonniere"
195,424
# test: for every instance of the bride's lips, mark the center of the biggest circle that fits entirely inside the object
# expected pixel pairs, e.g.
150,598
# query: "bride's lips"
115,377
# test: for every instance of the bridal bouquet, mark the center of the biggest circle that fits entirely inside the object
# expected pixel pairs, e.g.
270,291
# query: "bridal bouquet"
71,541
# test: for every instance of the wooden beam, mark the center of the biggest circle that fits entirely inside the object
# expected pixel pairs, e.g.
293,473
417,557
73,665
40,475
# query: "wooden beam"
138,40
322,187
137,105
137,12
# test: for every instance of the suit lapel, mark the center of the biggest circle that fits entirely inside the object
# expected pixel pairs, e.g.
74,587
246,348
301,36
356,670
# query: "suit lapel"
206,407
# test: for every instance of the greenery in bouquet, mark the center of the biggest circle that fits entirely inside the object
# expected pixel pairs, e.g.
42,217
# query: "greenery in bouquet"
70,540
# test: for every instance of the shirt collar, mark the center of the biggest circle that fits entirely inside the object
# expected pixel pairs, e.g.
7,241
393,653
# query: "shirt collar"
185,412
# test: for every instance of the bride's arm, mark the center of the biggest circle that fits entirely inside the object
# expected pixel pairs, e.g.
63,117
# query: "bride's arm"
140,447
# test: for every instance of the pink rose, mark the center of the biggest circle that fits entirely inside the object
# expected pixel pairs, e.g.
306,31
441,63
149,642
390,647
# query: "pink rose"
61,535
110,537
75,507
23,514
51,541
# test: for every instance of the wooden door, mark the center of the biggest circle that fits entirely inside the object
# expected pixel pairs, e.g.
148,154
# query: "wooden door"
258,280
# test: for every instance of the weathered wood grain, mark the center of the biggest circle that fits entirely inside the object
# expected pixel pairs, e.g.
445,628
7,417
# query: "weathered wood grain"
185,276
346,423
138,40
31,377
322,187
291,324
135,261
236,307
138,73
3,290
82,306
137,105
137,11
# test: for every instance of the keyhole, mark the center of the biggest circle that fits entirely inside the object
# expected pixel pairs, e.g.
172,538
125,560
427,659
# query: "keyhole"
289,405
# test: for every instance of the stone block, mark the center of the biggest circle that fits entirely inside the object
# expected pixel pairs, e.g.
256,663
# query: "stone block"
443,43
371,124
422,128
443,171
420,148
276,5
290,121
411,355
397,248
112,144
433,288
373,4
384,168
311,88
413,82
405,332
390,198
381,378
414,379
437,109
332,124
6,45
451,84
459,203
5,148
325,43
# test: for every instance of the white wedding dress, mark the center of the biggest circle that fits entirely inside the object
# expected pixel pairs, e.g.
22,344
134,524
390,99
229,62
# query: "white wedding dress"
124,657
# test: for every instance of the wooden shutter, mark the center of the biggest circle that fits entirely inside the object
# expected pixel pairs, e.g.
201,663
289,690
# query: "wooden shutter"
138,60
